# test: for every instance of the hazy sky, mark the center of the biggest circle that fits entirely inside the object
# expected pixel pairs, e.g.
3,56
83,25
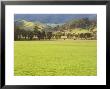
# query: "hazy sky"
52,18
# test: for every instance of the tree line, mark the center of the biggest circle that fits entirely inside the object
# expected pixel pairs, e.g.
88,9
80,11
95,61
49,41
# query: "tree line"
56,32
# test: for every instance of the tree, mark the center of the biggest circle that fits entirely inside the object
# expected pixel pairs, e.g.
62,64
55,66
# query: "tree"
39,35
49,35
43,35
17,33
37,32
30,34
58,35
24,33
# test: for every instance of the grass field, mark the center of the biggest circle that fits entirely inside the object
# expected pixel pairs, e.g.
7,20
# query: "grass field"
55,58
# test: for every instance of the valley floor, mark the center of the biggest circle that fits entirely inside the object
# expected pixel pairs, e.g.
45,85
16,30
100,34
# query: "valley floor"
55,58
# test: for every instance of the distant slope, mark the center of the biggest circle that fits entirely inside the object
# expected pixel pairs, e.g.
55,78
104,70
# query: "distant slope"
28,25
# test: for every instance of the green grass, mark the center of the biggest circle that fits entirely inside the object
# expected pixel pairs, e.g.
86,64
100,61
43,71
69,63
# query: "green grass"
55,58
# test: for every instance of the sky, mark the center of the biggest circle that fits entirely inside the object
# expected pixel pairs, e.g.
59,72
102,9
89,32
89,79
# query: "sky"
52,18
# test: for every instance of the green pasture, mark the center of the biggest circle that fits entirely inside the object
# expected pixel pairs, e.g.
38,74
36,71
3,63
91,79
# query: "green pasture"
55,58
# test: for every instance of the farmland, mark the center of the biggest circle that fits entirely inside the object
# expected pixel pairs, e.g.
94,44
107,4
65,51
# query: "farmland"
55,58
